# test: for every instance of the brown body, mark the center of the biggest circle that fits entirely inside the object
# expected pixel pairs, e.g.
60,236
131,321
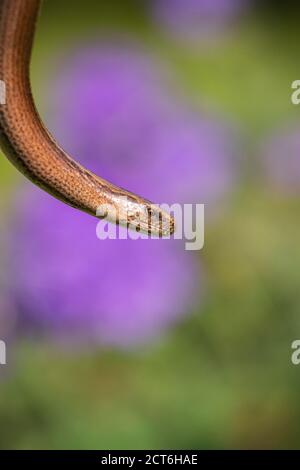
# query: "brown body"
29,146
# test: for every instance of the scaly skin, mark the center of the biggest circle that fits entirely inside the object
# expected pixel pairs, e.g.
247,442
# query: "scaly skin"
29,146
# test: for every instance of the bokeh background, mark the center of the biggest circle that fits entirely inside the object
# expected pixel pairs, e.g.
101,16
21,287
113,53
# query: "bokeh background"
142,344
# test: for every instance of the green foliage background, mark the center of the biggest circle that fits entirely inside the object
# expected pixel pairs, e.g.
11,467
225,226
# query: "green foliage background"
223,378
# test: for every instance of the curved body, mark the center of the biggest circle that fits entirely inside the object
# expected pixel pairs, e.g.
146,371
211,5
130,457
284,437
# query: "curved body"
30,147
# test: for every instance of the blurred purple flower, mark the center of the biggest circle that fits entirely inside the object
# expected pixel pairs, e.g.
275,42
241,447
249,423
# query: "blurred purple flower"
195,19
281,162
70,283
117,114
112,112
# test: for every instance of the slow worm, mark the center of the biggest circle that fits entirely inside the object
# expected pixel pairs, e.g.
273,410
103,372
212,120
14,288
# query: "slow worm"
30,147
